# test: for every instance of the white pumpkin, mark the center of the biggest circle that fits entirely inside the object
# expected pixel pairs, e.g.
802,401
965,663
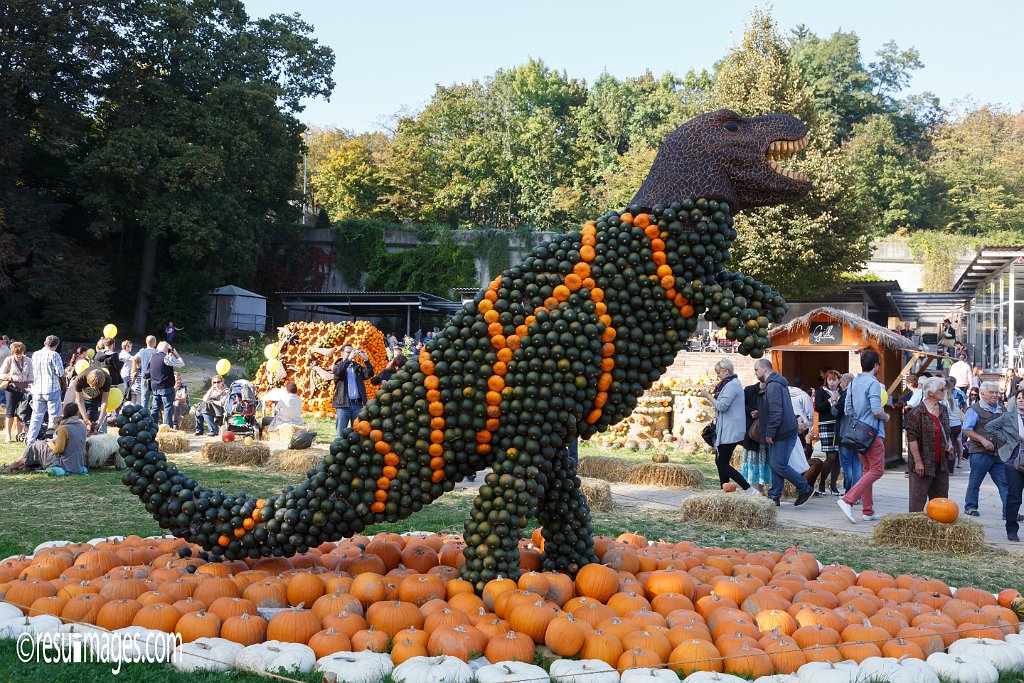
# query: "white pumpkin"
206,654
9,611
433,670
827,672
1003,656
356,667
962,668
778,678
645,675
137,643
713,677
583,671
12,628
903,670
508,672
1016,640
95,541
50,544
274,656
89,629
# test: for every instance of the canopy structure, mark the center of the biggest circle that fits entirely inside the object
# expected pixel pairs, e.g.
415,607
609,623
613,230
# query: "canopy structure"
234,308
403,308
928,307
989,261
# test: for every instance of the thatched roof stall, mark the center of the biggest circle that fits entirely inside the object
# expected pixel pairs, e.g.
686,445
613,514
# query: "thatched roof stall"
831,338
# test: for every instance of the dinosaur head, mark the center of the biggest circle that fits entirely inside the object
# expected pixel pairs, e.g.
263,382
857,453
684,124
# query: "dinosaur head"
723,156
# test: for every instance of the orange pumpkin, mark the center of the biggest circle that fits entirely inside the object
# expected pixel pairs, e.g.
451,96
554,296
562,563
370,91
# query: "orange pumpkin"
942,510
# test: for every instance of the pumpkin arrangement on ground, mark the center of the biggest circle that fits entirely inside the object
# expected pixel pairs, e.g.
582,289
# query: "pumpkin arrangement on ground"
648,607
556,348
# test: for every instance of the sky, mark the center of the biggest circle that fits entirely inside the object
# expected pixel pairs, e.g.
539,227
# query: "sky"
390,54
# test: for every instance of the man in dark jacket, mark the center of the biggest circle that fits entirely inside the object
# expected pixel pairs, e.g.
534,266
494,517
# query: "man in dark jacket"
349,390
778,428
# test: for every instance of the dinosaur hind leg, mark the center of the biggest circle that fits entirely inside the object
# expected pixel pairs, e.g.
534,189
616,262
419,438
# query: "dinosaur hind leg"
565,517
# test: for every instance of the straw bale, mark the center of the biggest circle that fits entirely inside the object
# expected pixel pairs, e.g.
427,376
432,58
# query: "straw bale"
915,530
172,441
729,509
187,423
283,434
666,474
598,493
604,467
234,453
296,461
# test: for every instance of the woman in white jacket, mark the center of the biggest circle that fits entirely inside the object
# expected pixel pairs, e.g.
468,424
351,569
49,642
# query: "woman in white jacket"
730,422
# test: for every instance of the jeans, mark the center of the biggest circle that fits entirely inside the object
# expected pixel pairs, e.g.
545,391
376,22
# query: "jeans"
574,450
49,403
1014,486
163,400
344,417
146,393
726,471
92,411
852,468
778,457
873,463
982,464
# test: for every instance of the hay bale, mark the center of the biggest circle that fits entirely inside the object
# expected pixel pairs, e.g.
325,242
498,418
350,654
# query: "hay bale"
915,530
729,509
666,474
604,467
187,423
283,434
234,453
598,493
172,441
294,461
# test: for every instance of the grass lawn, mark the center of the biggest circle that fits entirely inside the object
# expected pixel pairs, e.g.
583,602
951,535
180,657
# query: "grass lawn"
35,508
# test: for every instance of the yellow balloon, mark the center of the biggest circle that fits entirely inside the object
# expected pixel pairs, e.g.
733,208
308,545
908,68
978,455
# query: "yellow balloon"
81,366
223,366
273,365
110,330
114,398
270,351
885,396
90,352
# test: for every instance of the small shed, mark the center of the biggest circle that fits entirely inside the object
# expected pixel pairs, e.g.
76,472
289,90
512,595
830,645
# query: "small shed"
233,308
829,337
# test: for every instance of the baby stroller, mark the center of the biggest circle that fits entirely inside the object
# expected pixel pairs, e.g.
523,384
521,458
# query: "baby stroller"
240,409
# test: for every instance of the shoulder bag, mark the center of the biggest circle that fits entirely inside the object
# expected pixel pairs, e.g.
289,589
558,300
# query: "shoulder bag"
858,436
709,434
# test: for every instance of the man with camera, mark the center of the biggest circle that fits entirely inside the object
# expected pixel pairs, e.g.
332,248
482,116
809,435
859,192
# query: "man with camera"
349,388
161,380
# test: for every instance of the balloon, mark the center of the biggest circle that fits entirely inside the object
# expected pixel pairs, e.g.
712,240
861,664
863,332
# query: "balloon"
90,352
270,351
114,399
110,330
885,396
227,436
273,365
81,366
248,441
223,366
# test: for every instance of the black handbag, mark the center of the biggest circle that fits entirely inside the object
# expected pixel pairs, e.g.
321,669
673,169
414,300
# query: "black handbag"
858,436
709,434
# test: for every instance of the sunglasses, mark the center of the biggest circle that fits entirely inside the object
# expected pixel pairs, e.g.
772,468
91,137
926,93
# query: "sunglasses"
217,381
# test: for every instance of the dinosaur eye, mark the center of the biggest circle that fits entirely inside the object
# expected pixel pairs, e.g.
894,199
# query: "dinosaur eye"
732,126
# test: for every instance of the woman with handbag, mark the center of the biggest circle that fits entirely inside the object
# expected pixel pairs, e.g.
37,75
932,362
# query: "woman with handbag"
754,466
730,422
929,444
15,378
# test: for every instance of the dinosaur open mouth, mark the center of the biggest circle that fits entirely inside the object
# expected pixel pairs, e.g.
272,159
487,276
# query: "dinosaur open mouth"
780,150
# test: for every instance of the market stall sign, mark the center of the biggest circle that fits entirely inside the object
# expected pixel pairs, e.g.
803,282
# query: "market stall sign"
830,333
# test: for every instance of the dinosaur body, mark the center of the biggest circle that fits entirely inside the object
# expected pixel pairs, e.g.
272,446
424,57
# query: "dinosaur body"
554,349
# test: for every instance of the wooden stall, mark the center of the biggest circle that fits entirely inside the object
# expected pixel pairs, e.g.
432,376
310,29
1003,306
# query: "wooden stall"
828,337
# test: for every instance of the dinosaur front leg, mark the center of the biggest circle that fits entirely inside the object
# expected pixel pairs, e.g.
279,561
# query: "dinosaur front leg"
565,519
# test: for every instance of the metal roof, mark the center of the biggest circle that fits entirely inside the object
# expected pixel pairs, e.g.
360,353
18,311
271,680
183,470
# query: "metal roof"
990,260
232,290
928,306
429,303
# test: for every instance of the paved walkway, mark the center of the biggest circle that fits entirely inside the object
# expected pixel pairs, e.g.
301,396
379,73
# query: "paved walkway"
890,496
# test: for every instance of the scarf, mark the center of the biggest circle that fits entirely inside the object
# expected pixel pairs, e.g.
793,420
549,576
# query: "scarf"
721,385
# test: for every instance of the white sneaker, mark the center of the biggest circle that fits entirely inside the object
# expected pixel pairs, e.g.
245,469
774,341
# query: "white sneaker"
870,518
753,492
847,510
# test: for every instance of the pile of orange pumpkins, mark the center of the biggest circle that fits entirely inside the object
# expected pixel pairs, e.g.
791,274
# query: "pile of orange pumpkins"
647,604
295,341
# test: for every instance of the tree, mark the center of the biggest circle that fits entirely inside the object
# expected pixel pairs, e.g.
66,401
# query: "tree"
195,143
891,185
346,181
806,247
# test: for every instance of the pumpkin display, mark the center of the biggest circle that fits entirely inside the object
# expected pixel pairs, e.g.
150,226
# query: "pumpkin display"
942,510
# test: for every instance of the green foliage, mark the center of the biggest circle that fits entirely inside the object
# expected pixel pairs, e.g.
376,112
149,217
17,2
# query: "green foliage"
359,244
492,246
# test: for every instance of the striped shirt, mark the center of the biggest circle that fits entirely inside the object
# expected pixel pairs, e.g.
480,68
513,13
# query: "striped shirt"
47,369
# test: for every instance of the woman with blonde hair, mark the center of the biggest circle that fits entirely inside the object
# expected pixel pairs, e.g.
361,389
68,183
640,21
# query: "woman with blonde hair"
730,422
929,444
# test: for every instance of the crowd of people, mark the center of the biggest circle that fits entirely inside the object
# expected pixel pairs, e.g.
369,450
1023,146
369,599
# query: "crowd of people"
811,437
